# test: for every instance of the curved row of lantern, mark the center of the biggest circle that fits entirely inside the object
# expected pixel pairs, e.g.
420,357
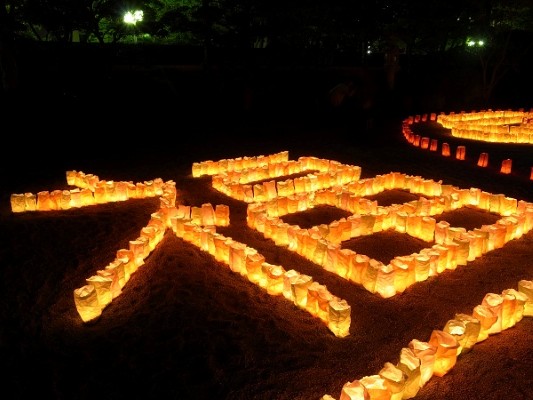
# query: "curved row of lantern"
422,360
90,190
493,126
453,245
425,143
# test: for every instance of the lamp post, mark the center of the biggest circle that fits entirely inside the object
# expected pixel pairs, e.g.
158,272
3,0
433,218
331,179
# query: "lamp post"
131,18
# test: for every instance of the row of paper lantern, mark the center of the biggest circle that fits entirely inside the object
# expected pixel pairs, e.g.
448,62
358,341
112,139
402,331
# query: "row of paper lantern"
228,165
327,173
90,190
454,246
425,143
300,289
197,225
422,360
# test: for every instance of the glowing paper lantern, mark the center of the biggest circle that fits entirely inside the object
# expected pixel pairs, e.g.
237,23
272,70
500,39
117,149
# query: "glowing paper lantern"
18,202
445,149
102,286
457,329
339,317
86,301
394,379
483,160
509,305
494,301
446,354
506,166
354,391
299,289
409,364
460,152
376,387
472,328
426,353
486,318
318,298
526,287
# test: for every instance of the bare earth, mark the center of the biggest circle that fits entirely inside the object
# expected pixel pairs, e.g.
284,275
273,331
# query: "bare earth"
187,327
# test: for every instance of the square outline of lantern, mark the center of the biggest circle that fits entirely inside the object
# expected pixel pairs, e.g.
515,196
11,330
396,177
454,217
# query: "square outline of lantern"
453,245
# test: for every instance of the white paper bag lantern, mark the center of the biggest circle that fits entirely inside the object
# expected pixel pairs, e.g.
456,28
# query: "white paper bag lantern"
409,363
86,301
339,317
102,286
426,353
376,387
18,202
521,300
394,379
526,286
354,391
446,355
472,329
494,301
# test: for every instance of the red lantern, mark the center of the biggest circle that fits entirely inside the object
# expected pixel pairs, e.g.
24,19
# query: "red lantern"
506,166
460,152
445,149
483,160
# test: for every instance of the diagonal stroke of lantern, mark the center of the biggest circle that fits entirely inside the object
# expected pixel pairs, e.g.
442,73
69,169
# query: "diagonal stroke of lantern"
331,183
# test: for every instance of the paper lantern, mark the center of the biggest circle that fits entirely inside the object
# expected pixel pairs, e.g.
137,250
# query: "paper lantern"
299,289
531,174
376,387
494,301
433,145
394,379
445,149
86,301
460,152
426,353
385,281
339,318
318,298
354,391
274,278
254,262
409,364
424,143
18,202
457,329
483,160
446,354
509,305
471,334
103,288
506,166
486,318
526,287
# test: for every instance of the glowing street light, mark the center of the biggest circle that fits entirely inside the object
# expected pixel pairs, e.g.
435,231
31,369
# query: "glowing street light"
131,18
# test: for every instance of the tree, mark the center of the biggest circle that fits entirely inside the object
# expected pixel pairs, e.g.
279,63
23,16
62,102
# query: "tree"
506,28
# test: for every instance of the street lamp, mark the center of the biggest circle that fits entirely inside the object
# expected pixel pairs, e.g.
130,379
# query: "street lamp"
131,18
